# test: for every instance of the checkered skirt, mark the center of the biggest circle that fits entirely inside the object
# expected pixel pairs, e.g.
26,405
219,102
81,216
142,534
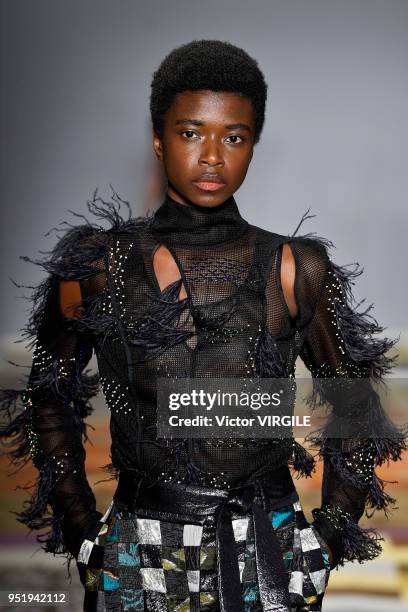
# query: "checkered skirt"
136,563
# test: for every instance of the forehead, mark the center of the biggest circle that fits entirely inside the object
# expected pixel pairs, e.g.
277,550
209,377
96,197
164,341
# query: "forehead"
206,106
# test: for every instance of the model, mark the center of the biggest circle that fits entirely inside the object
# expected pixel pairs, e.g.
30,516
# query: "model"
195,291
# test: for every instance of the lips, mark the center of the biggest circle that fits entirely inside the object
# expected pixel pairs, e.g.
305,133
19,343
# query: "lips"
209,182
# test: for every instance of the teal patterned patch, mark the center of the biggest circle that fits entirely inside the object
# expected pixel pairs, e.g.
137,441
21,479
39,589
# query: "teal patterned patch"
132,599
283,517
110,581
128,554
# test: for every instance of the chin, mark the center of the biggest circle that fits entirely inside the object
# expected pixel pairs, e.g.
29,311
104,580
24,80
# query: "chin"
209,199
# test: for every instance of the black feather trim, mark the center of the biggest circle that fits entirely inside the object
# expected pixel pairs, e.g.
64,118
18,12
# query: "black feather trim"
360,544
160,328
302,461
359,328
269,361
349,541
82,245
18,446
14,425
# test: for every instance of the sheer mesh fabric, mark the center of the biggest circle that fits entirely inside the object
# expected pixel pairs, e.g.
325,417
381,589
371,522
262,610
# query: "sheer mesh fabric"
210,334
325,355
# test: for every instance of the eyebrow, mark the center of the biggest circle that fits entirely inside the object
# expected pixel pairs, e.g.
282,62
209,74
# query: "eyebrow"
230,126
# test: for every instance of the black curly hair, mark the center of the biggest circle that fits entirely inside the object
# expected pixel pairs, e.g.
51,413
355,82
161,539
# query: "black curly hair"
207,65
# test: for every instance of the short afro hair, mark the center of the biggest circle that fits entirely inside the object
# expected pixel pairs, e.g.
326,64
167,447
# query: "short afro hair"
212,65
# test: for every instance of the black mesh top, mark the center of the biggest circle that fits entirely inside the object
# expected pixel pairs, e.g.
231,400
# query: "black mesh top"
233,321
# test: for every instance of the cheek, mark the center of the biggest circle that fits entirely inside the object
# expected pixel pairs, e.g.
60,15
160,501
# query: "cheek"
239,162
180,159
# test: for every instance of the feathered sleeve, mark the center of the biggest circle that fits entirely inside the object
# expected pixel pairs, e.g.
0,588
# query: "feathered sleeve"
45,420
345,356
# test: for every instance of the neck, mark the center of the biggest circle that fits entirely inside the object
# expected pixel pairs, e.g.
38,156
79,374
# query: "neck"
194,224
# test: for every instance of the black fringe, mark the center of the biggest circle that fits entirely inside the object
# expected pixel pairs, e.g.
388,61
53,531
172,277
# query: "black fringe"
321,242
378,435
352,542
375,495
160,329
302,462
358,329
82,245
360,544
269,361
13,428
93,320
16,416
387,439
111,469
38,298
16,445
35,514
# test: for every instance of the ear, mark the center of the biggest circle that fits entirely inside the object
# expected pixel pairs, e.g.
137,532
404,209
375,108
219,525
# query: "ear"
157,146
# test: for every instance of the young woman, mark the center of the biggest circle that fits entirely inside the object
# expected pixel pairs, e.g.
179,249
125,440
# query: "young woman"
195,291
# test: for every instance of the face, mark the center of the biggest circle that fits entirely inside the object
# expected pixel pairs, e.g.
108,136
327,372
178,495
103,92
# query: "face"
207,145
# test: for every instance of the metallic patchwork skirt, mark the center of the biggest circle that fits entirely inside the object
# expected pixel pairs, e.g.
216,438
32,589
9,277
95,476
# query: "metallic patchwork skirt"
139,564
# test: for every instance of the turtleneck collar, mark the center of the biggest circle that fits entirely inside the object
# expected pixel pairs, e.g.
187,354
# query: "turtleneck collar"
198,225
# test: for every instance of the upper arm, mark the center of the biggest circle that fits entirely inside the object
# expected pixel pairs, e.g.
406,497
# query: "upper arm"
288,276
70,298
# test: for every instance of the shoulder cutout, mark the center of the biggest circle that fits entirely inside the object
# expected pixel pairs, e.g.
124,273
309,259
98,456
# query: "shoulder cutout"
70,298
288,275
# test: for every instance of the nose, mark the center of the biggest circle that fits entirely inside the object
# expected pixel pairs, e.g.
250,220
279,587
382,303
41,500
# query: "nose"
211,154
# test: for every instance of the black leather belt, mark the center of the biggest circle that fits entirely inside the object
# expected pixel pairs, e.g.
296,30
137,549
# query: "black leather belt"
190,503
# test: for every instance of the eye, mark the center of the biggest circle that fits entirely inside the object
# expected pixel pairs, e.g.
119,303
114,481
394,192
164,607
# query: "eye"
189,132
235,136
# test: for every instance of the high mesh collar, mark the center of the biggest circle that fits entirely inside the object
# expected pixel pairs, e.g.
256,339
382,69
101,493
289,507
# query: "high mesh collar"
194,224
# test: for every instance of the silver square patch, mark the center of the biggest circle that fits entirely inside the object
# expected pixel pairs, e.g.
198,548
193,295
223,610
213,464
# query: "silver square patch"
240,527
85,551
153,579
192,535
308,539
148,531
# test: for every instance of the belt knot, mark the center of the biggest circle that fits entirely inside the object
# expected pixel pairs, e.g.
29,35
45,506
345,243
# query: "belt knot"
242,501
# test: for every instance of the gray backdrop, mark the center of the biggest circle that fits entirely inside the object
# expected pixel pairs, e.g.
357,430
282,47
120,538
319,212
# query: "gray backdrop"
75,88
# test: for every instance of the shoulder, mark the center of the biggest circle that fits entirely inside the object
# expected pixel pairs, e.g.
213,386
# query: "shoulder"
309,252
76,264
302,263
310,244
80,249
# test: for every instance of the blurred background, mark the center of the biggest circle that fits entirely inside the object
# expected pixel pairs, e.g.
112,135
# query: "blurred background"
75,79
